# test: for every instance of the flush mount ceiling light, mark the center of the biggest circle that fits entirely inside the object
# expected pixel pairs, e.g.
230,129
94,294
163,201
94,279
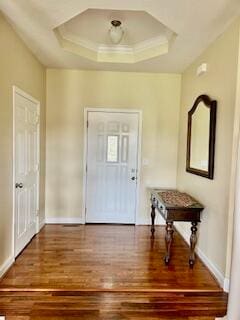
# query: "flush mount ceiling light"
116,32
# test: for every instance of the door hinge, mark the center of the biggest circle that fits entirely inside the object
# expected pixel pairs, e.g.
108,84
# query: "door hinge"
86,167
85,210
87,123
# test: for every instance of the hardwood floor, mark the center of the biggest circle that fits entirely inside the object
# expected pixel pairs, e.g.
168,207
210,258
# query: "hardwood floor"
108,272
110,306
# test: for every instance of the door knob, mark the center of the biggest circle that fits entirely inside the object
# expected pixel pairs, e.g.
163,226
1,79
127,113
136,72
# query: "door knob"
19,185
133,178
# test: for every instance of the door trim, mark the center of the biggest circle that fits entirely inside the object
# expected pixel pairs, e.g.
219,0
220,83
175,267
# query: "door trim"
16,90
111,110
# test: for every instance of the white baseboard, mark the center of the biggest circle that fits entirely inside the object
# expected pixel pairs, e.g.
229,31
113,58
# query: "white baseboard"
6,265
74,220
226,285
224,282
63,220
41,224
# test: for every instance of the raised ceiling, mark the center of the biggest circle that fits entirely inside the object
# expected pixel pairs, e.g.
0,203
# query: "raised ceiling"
93,24
87,35
195,24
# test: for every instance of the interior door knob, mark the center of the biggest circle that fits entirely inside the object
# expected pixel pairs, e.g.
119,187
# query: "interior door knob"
133,178
19,185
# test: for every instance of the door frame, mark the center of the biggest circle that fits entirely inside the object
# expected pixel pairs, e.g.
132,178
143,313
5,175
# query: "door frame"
85,152
17,90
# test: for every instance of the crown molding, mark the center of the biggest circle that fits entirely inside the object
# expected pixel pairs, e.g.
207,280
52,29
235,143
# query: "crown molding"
141,51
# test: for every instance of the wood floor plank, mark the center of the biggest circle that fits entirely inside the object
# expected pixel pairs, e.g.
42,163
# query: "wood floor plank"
95,305
106,258
104,272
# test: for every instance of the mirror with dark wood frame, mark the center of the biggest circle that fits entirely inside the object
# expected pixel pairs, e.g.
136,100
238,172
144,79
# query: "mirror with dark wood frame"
201,137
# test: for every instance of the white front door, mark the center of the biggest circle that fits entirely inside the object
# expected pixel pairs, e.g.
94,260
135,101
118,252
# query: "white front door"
112,154
26,168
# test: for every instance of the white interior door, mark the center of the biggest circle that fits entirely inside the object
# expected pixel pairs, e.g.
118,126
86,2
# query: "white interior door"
26,169
112,153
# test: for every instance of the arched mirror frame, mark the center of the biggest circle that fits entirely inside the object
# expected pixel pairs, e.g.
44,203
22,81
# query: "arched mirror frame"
212,105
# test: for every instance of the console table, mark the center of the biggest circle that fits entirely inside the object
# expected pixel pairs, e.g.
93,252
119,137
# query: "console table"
176,206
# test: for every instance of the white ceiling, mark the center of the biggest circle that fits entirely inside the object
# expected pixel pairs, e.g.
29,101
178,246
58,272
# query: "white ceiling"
94,24
196,23
87,35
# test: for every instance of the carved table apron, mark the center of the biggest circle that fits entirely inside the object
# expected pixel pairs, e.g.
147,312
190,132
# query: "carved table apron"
176,206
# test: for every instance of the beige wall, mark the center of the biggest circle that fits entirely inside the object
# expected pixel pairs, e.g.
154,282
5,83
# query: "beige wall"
220,84
236,139
17,67
69,91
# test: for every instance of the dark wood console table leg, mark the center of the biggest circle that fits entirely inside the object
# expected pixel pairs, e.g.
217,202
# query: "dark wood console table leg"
153,215
168,240
193,241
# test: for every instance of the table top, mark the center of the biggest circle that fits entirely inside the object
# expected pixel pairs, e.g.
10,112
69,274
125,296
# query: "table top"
174,199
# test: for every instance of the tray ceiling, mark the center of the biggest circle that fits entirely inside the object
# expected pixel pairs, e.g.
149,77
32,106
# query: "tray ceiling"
87,35
188,27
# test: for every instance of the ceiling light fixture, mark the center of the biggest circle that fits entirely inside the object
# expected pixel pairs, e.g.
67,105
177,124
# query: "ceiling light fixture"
116,32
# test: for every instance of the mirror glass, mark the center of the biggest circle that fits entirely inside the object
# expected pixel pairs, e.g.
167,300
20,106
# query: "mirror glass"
200,138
